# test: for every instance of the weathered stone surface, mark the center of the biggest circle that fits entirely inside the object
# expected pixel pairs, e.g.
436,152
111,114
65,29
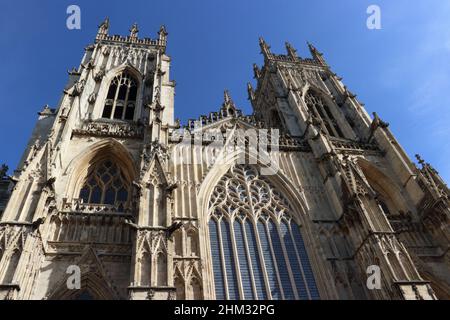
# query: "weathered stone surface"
110,183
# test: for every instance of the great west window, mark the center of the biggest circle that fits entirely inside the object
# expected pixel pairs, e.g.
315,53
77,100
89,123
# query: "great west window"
257,249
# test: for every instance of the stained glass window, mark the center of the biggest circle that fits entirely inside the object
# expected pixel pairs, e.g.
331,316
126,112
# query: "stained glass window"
257,249
105,184
217,262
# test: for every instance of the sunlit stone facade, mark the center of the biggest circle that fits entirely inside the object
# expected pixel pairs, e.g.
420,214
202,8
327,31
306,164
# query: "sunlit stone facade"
147,208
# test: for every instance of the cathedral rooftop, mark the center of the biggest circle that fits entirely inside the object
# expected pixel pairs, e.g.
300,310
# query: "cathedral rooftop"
291,56
104,36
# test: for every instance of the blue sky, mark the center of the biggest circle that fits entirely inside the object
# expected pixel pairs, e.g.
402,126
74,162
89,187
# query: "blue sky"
401,71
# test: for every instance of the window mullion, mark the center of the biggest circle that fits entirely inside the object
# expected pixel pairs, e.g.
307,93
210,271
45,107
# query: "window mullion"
262,260
299,260
253,213
272,251
222,258
236,260
103,196
325,118
249,261
318,115
288,263
115,98
125,103
258,241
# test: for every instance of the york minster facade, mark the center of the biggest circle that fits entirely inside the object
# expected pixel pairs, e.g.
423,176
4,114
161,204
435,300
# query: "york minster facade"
298,200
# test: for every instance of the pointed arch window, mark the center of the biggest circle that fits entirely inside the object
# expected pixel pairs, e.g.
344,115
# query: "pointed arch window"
120,102
106,184
257,249
320,109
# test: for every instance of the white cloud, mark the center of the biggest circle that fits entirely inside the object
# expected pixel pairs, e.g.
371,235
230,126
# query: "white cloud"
425,69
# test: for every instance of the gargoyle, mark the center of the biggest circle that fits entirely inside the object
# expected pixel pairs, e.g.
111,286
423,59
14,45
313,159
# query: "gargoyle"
376,123
171,187
37,223
49,184
174,227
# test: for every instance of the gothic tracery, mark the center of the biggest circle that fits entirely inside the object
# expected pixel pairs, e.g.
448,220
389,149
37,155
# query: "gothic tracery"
100,186
245,207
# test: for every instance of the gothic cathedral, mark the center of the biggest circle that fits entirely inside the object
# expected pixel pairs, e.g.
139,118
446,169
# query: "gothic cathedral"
319,201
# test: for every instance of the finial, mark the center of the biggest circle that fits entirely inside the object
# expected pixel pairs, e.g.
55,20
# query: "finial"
162,33
265,48
312,48
228,106
134,30
226,97
318,56
290,50
251,92
256,71
105,23
103,28
262,43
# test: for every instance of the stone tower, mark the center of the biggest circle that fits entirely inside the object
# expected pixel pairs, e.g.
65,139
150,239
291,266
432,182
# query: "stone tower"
370,205
115,195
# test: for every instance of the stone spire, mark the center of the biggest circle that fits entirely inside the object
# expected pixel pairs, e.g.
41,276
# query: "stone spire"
316,54
162,33
291,51
134,31
103,28
228,105
265,48
433,178
227,98
251,92
256,71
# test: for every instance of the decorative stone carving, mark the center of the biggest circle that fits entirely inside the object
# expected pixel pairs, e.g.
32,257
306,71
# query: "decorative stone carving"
321,182
106,51
99,75
92,98
78,88
77,205
110,129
